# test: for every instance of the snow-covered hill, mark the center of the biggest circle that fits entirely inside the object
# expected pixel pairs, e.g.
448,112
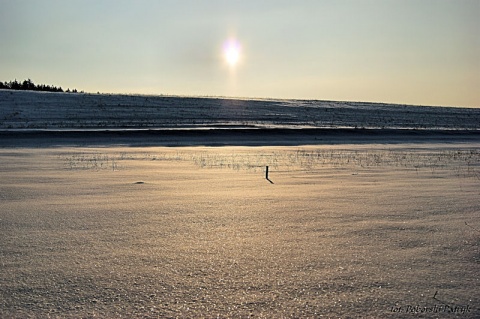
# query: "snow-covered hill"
45,111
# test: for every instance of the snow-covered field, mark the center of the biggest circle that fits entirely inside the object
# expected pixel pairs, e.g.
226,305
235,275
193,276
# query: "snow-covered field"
351,231
385,225
36,110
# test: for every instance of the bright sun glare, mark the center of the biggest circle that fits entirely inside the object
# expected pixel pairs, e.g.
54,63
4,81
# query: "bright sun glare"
231,51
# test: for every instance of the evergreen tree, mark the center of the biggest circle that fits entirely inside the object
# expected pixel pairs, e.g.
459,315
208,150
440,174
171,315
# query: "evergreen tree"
15,85
28,85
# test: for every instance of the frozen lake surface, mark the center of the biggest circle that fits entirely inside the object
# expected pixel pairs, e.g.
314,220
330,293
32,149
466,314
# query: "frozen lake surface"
351,231
116,206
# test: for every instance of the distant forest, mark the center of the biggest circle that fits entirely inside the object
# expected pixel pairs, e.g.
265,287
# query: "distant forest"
28,85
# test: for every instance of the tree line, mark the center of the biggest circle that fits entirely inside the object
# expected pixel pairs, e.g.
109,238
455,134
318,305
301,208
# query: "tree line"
28,85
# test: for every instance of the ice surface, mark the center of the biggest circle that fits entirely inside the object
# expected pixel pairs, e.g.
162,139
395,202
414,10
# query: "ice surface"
359,231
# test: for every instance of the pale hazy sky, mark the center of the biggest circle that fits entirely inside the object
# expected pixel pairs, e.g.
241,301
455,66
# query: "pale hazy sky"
399,51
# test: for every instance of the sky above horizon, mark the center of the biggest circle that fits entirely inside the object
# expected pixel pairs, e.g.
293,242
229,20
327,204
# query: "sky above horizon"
394,51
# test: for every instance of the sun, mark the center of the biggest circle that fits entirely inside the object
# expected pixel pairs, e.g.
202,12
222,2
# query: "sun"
231,52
